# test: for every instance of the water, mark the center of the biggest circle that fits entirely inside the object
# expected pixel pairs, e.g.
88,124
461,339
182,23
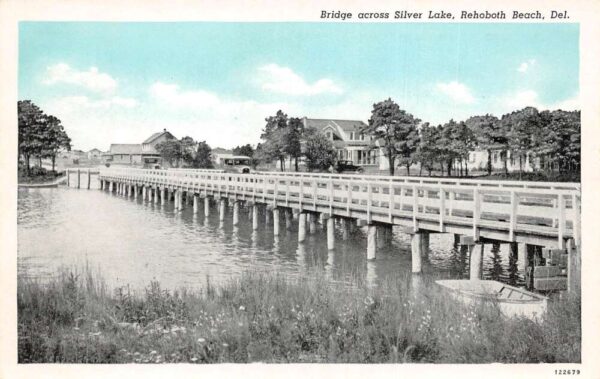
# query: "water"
133,242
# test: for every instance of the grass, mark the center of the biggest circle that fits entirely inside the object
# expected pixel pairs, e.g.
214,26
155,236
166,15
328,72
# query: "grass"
37,175
266,318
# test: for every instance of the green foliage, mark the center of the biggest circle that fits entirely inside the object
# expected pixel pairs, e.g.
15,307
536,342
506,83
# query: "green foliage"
40,135
171,151
269,318
203,156
318,150
396,132
281,138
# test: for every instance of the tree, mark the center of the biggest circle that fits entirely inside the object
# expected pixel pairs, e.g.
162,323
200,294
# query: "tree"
188,150
488,135
559,139
428,152
318,150
522,128
55,138
273,137
31,125
203,157
395,130
291,139
170,151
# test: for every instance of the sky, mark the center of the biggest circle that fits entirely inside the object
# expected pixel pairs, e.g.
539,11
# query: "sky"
217,82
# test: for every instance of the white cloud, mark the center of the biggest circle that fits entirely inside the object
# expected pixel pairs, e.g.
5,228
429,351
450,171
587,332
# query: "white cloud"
525,66
92,79
204,115
75,104
456,91
522,99
283,80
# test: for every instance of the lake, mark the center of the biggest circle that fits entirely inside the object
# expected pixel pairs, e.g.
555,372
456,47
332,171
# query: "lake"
132,242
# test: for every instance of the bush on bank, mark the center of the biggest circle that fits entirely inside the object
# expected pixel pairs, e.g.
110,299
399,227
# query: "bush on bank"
263,317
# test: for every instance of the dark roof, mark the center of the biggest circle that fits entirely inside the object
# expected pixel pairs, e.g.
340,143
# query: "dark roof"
125,148
156,136
345,125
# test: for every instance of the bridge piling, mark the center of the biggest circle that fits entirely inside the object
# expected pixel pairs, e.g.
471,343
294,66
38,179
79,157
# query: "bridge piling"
371,241
222,206
268,215
236,213
301,227
89,179
163,196
330,232
156,190
195,206
312,223
78,178
206,206
288,218
416,245
255,216
276,221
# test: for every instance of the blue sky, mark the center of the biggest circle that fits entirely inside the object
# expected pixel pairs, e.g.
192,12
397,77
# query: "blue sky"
121,82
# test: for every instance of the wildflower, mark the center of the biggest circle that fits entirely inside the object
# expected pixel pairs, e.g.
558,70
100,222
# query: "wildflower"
225,344
153,352
242,308
193,359
201,340
240,324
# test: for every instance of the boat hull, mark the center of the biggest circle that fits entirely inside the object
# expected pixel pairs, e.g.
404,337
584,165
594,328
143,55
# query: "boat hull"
511,301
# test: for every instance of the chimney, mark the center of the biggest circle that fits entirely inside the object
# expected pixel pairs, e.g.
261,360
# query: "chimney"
165,129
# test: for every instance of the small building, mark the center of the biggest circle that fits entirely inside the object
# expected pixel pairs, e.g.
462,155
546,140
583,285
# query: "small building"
143,154
218,154
94,154
478,160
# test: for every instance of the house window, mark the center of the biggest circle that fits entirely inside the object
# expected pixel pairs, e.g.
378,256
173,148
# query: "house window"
330,135
351,135
495,157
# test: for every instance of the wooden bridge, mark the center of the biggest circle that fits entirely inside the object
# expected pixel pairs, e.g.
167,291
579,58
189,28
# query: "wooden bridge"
525,214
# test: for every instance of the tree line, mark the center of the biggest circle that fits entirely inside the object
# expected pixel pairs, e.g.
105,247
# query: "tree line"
186,152
40,135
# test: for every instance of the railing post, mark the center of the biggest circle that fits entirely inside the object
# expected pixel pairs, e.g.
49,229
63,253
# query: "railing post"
476,213
442,209
391,201
514,204
561,221
415,208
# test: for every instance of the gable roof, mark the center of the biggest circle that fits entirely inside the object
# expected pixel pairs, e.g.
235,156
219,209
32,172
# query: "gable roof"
125,148
155,136
345,125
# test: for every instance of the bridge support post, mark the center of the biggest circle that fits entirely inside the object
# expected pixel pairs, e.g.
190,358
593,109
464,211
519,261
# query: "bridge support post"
330,231
176,200
268,215
416,248
78,178
163,196
301,227
476,261
276,221
573,267
180,201
206,206
156,190
110,187
222,209
312,223
520,249
89,179
102,185
135,191
130,190
195,206
371,241
345,232
288,218
255,217
144,193
236,212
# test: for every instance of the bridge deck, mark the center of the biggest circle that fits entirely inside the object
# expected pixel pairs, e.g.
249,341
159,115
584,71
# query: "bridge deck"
538,213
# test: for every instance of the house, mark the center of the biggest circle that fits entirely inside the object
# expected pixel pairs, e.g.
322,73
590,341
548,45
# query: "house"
143,154
350,143
478,160
94,154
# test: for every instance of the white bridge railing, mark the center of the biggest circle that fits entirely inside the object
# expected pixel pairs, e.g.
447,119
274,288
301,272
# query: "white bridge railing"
540,208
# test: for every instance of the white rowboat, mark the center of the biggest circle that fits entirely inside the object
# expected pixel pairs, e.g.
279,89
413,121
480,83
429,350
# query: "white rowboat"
511,301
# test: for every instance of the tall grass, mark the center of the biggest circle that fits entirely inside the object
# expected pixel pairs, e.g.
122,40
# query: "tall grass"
264,317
